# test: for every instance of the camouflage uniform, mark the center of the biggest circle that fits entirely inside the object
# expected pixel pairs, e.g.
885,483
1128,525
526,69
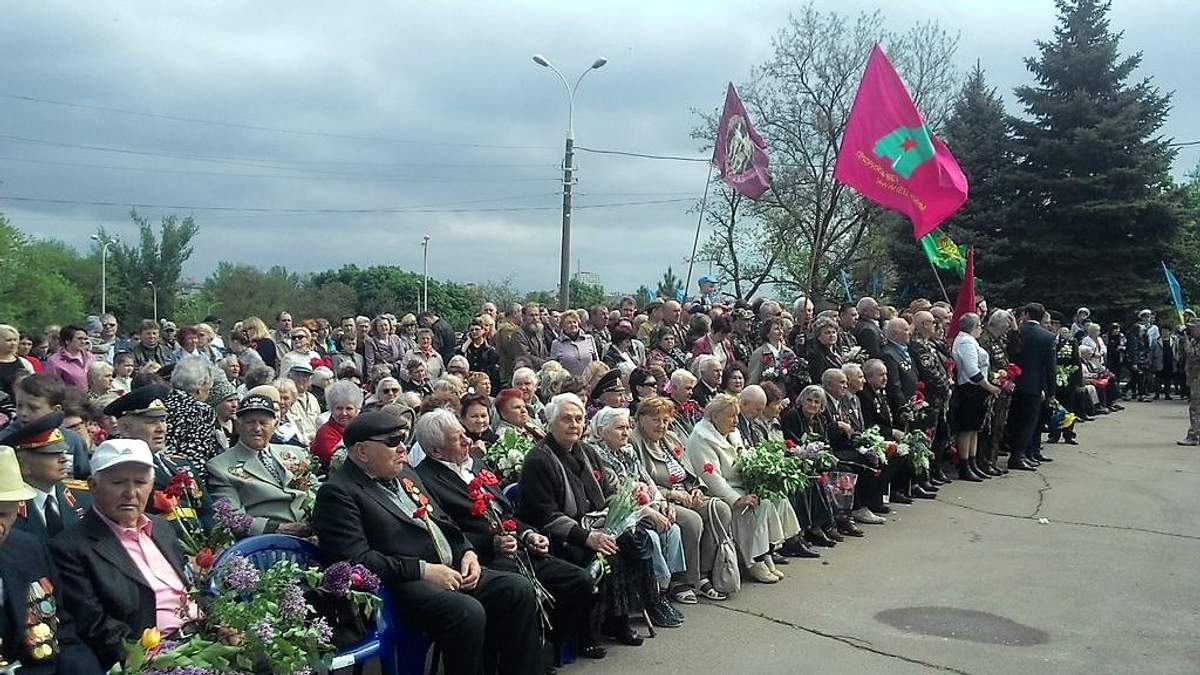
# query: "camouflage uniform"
1191,350
992,438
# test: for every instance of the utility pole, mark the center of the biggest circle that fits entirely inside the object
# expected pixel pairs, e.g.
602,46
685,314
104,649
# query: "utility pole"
425,279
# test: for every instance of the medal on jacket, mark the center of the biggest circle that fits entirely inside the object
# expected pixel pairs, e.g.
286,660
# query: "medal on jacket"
41,620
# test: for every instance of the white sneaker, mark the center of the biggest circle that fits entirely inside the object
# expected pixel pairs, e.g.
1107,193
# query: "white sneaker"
865,516
761,573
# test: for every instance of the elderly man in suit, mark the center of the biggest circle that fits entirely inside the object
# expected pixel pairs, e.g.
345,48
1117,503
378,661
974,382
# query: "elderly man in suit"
446,472
35,631
866,331
375,511
58,502
141,414
902,372
123,571
1036,359
259,477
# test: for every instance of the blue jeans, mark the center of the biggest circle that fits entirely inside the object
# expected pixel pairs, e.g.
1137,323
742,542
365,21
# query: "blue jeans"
668,555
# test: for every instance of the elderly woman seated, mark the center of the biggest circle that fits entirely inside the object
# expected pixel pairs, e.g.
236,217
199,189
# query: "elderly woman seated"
345,400
387,390
191,423
608,437
760,527
476,419
665,462
813,512
687,411
513,414
564,494
261,478
525,380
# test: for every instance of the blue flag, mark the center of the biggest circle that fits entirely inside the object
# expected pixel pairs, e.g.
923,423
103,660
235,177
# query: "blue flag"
1176,291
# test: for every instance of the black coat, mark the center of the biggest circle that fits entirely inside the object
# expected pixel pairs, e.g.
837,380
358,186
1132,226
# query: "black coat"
902,378
869,337
102,587
876,411
445,339
24,560
355,519
1036,360
821,358
451,492
544,502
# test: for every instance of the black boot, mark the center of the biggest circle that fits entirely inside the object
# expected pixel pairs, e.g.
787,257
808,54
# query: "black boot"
965,473
973,463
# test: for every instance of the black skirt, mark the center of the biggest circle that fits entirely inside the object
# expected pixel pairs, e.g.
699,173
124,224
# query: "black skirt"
968,407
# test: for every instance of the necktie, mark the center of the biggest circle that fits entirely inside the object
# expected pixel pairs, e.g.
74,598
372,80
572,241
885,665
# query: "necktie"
54,523
268,461
440,544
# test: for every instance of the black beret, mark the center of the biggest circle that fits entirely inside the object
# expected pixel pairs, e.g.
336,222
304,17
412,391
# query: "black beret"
610,381
369,424
145,400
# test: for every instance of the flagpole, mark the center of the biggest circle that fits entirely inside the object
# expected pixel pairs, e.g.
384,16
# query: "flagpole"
939,280
699,223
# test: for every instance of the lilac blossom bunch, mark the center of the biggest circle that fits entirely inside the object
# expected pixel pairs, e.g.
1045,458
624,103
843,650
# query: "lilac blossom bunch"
240,575
237,522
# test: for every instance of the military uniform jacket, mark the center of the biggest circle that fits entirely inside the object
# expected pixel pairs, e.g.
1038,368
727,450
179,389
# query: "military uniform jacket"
166,465
902,377
73,501
34,628
930,369
239,475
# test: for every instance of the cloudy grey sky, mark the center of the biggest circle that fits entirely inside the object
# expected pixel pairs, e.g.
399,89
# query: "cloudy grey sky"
385,82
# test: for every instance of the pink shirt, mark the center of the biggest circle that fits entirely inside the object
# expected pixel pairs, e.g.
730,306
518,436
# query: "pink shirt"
170,593
72,369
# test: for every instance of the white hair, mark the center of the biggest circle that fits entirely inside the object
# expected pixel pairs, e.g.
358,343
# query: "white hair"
383,381
604,420
522,374
191,374
555,407
681,378
701,361
430,430
344,392
752,392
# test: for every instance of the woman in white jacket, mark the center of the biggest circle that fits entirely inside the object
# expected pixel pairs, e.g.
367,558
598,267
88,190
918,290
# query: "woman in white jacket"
760,527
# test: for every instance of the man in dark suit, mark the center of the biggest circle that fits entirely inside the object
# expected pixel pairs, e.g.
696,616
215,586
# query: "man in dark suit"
902,372
375,511
58,502
866,331
105,589
1036,359
35,630
447,470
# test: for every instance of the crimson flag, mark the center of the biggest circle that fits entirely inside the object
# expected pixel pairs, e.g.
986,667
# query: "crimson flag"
966,296
889,155
740,153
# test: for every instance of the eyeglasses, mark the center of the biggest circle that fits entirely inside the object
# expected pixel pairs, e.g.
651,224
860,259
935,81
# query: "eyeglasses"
389,391
299,336
109,325
649,383
395,440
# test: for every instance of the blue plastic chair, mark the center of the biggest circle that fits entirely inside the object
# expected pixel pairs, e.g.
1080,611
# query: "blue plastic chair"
400,650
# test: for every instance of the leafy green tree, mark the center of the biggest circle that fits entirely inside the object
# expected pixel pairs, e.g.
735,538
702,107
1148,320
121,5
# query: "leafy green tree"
239,291
155,258
385,288
1185,249
1093,180
32,296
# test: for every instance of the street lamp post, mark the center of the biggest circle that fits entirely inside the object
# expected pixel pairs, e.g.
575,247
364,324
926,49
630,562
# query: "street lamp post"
425,278
104,242
154,293
564,275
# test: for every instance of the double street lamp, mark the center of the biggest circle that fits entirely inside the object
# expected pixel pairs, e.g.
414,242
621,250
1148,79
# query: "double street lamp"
564,275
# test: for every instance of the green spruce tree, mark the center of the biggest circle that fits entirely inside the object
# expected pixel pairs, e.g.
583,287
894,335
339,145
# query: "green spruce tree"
1093,183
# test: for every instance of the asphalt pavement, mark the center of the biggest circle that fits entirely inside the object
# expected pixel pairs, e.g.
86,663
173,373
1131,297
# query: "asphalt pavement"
1089,565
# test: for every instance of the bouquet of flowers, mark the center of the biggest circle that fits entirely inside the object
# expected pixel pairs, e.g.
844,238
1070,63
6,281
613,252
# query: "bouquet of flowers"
1006,377
856,354
300,464
690,411
483,505
770,471
871,444
507,455
813,453
1062,375
915,409
179,503
152,655
921,449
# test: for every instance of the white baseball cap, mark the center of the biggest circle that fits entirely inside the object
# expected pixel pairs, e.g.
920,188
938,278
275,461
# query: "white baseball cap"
116,451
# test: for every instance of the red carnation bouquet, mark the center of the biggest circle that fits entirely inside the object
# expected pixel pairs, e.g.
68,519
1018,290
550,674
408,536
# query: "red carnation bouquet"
483,505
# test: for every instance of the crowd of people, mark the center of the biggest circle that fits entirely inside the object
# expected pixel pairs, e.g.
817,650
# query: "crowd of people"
375,438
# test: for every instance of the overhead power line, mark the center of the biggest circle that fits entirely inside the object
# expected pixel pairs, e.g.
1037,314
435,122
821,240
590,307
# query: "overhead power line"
273,210
280,130
674,158
258,162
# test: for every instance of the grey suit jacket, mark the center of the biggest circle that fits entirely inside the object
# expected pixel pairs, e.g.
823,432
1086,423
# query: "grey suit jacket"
240,476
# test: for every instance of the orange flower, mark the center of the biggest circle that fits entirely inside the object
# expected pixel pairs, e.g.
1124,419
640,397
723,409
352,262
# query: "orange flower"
164,503
205,558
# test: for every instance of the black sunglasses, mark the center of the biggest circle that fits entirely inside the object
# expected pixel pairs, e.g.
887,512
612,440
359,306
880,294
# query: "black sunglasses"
394,440
648,383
